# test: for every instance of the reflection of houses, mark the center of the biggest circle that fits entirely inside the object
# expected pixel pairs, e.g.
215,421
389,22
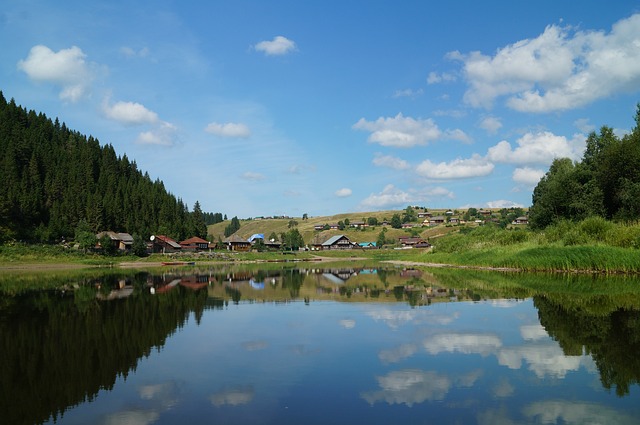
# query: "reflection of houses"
195,282
236,243
122,241
337,242
163,244
194,244
413,242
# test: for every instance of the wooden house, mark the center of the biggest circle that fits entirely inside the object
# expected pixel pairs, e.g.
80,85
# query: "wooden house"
195,244
236,243
164,244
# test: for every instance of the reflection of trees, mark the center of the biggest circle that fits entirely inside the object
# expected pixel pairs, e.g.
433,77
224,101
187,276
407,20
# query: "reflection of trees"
57,352
612,338
292,280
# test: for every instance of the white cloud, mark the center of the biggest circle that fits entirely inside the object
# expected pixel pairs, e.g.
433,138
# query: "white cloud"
343,193
502,203
389,197
130,52
66,68
558,70
527,176
458,135
491,124
278,46
435,78
230,129
129,113
390,162
475,166
252,176
533,332
575,412
399,131
543,359
162,135
538,148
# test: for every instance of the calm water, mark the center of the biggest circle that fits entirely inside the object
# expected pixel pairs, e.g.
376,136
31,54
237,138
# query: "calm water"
322,346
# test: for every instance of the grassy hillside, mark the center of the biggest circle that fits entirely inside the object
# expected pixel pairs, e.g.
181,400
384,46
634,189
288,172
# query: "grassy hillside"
306,227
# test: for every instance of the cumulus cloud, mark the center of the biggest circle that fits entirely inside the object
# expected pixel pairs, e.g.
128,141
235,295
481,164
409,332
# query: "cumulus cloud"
476,166
584,125
230,129
503,203
400,131
538,148
389,197
527,176
129,113
278,46
491,124
390,162
163,135
343,193
533,332
558,70
66,68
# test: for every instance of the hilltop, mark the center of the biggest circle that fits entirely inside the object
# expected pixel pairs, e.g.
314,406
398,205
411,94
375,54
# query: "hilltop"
306,227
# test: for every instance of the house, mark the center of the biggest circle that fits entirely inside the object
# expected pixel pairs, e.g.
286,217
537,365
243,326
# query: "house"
194,244
485,213
521,220
164,244
122,241
424,214
358,224
318,227
367,245
439,219
413,242
236,243
407,225
337,242
454,220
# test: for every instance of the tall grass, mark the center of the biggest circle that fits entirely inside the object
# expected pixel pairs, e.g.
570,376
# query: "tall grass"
594,245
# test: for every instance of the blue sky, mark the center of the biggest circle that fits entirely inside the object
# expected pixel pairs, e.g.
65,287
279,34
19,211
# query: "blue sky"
259,108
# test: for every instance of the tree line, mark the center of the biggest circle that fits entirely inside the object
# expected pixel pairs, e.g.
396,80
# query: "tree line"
56,179
605,183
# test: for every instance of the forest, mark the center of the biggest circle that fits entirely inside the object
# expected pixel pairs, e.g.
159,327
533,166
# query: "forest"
605,183
56,180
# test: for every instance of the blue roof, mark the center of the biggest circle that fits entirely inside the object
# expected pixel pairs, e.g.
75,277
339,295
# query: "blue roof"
256,236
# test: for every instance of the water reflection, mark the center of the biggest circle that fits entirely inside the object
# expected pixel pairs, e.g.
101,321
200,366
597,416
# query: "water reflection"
232,344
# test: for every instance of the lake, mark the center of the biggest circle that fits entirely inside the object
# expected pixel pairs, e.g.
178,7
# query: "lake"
318,345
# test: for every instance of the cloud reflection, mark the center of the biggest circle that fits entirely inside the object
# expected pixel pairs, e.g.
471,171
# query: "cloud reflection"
568,412
233,396
409,387
543,359
483,344
397,318
397,354
347,323
533,332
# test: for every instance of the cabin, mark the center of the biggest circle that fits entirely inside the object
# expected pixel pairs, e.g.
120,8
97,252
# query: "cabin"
413,242
337,242
194,244
122,241
164,244
521,220
439,219
236,243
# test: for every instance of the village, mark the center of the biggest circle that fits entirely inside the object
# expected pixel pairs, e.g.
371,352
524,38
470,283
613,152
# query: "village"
324,238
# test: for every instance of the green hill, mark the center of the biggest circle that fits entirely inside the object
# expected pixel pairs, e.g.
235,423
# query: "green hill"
267,226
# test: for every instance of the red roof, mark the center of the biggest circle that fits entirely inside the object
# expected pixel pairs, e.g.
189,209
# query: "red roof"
193,240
